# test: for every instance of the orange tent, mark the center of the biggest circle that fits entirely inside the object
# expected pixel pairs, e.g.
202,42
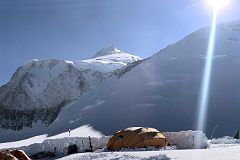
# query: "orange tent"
4,156
13,155
19,154
137,137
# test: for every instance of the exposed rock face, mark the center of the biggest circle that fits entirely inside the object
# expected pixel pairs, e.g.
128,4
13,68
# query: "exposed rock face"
37,91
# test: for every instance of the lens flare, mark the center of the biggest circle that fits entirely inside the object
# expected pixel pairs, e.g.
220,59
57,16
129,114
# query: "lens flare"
205,86
218,4
204,94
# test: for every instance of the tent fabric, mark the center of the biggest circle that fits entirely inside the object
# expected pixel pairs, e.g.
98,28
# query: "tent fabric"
13,155
19,154
7,157
137,137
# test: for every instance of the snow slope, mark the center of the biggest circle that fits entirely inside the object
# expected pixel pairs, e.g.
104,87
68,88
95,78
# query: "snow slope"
62,140
196,154
39,89
162,92
104,64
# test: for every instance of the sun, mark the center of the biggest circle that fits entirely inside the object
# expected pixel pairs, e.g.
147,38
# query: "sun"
218,4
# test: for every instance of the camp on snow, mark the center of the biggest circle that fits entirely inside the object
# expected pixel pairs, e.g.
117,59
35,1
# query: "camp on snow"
136,137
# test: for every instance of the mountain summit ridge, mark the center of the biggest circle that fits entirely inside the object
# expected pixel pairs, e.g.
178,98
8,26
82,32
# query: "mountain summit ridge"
108,50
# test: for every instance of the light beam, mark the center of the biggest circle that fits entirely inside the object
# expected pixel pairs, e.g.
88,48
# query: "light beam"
204,94
216,5
205,86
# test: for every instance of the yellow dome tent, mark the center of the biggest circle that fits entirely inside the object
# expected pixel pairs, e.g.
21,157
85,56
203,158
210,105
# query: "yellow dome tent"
136,137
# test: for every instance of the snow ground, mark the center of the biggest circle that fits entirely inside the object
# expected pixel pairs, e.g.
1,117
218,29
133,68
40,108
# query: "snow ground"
83,131
225,148
229,153
181,140
25,142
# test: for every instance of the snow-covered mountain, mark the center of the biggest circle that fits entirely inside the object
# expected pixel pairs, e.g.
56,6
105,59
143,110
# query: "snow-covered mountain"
163,91
104,63
39,89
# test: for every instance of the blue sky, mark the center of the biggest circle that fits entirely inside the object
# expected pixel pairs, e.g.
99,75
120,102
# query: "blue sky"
76,29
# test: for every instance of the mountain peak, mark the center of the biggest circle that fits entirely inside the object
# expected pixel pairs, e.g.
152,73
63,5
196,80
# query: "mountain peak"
110,49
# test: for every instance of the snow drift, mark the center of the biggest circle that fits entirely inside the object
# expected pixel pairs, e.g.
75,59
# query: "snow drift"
187,139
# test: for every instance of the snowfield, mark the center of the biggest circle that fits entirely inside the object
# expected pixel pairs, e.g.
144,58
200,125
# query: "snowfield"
79,136
225,148
83,131
230,153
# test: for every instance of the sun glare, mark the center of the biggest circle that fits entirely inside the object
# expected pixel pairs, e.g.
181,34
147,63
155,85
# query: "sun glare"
218,4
